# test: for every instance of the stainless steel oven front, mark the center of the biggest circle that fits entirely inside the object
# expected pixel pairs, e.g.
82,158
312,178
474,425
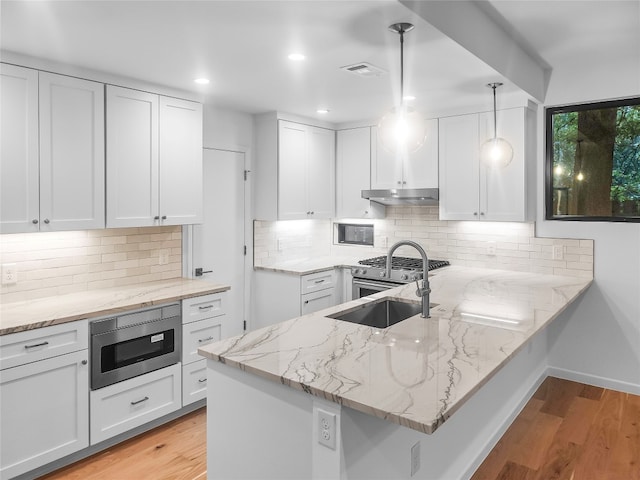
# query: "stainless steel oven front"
133,344
362,287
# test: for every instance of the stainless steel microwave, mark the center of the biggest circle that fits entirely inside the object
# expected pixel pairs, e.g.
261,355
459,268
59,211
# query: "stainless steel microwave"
355,234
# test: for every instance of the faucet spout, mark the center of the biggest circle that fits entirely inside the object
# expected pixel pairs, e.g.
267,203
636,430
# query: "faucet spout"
424,290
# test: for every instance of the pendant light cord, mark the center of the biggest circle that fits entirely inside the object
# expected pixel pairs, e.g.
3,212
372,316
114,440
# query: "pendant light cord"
495,121
401,67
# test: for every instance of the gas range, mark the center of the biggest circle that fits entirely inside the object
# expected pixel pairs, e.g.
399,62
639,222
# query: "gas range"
403,269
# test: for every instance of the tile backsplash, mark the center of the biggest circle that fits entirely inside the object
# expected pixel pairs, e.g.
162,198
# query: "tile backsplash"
502,245
55,263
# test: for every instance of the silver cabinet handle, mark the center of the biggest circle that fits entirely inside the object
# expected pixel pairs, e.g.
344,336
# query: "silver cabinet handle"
203,380
46,220
36,345
306,301
475,214
136,402
84,362
157,217
206,307
34,221
319,281
481,213
164,217
205,339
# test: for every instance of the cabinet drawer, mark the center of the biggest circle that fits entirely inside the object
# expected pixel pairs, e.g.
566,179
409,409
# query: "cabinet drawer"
317,281
312,302
194,382
41,343
120,407
199,334
206,306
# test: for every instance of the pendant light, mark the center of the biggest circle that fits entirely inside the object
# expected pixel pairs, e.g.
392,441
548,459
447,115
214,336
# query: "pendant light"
402,130
496,152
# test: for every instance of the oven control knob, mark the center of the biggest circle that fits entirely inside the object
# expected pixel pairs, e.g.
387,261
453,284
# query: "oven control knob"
404,276
354,271
363,271
382,274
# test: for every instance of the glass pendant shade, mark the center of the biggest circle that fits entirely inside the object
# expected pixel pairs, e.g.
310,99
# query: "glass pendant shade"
496,152
402,130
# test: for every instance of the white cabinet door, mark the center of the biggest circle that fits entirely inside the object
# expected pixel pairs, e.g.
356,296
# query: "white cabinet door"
44,412
420,169
132,158
353,174
292,171
71,153
459,163
180,154
503,190
19,200
386,168
321,158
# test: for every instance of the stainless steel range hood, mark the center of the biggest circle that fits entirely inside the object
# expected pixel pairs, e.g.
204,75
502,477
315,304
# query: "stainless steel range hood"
403,196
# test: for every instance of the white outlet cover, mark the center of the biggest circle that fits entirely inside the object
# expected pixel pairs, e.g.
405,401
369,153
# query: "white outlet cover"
415,458
9,274
327,429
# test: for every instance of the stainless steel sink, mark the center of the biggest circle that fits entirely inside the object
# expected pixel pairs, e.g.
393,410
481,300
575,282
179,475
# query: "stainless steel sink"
380,314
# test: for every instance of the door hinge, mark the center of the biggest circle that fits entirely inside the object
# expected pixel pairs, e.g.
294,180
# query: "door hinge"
246,172
245,249
244,325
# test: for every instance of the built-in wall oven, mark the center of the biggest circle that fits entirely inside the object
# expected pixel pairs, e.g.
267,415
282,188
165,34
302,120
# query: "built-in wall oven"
135,343
367,276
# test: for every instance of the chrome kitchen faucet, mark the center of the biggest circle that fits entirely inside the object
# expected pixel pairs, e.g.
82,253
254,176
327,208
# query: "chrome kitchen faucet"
424,290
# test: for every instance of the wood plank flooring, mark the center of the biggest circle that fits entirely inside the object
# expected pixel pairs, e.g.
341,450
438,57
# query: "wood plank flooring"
567,431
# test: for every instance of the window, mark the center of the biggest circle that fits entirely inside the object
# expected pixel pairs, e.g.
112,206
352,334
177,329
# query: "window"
593,161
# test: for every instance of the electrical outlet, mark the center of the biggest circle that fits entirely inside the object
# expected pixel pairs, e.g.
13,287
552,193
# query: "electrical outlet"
280,244
9,274
327,429
415,458
558,252
383,242
163,257
491,248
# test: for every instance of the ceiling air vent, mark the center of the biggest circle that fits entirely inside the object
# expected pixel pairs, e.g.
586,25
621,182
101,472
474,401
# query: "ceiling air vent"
364,69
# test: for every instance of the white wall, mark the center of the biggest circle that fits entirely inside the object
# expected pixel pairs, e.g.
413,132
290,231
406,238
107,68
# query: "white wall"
227,129
598,336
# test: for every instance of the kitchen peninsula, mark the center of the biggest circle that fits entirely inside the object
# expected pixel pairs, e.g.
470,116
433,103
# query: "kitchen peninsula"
391,392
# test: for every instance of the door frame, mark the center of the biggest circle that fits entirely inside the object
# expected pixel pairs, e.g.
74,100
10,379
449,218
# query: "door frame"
187,234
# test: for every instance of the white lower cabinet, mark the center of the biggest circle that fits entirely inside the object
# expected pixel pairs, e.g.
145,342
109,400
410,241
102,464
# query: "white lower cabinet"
194,382
203,322
281,296
122,406
44,412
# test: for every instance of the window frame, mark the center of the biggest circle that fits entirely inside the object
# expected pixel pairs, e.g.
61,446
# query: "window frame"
548,177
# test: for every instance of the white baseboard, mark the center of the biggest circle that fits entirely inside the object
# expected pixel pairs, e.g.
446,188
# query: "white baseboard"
593,380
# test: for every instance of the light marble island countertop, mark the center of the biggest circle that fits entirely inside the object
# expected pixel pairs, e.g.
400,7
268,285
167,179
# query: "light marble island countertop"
42,312
418,372
311,265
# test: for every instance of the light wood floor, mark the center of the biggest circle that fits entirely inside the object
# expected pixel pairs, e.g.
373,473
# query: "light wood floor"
567,431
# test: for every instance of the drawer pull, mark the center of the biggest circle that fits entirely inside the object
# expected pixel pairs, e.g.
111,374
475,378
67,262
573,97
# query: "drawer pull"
203,380
306,301
205,339
320,281
36,345
136,402
207,307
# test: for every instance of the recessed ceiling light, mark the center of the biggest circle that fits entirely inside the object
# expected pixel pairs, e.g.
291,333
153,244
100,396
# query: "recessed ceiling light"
202,81
323,110
296,57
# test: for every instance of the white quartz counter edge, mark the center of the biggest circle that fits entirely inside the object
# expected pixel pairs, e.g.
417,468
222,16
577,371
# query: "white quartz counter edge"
419,372
42,312
308,266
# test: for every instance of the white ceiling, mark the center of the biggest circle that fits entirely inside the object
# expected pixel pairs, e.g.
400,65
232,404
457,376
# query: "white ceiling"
242,46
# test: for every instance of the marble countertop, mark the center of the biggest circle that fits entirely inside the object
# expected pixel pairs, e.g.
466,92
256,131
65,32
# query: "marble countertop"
42,312
418,372
310,265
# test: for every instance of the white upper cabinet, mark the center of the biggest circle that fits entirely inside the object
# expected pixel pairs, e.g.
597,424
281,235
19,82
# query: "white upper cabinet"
295,170
71,153
470,190
154,159
415,170
180,155
52,157
353,174
19,174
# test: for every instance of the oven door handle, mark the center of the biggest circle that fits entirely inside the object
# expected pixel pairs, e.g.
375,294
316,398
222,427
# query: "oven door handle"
381,286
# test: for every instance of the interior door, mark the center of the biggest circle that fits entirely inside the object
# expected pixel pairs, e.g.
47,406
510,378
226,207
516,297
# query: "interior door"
218,243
